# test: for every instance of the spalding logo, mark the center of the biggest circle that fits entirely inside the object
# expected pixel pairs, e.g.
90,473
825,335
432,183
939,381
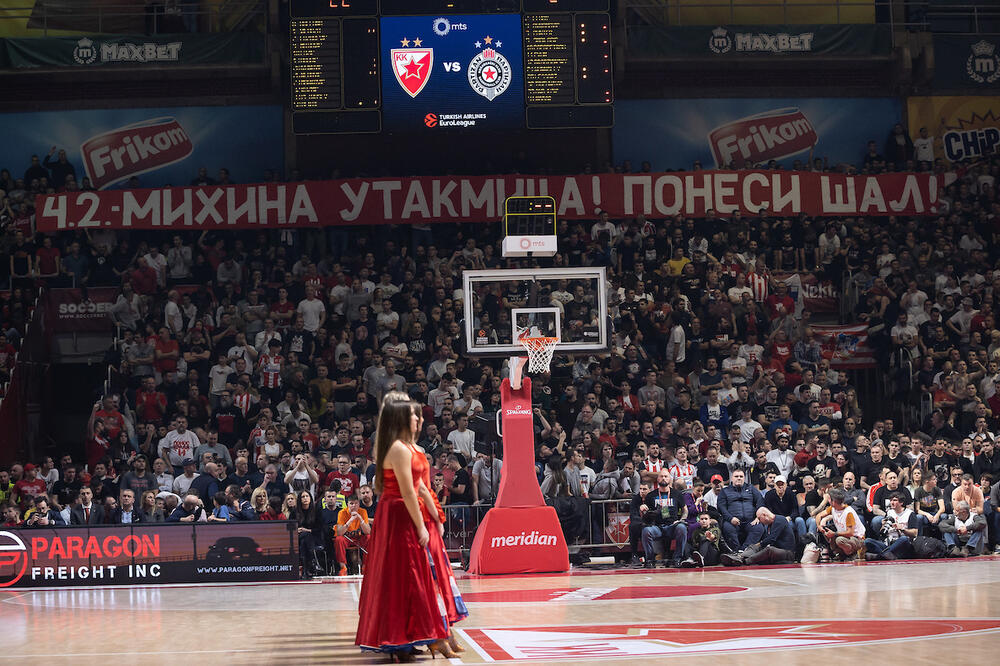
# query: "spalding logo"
517,410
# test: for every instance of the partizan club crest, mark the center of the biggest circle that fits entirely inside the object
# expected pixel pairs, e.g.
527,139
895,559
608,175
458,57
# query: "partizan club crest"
489,72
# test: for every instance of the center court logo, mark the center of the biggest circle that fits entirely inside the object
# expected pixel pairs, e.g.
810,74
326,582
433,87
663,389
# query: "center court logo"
13,559
567,643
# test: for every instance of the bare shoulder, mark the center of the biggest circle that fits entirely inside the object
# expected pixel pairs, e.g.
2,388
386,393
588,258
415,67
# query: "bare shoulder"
399,453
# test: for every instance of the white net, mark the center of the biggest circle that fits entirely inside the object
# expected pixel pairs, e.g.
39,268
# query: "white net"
540,351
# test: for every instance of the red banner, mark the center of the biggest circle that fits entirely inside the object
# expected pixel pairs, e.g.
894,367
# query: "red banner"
479,199
69,310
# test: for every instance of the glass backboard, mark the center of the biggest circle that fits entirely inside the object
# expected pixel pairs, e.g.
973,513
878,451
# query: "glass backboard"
568,303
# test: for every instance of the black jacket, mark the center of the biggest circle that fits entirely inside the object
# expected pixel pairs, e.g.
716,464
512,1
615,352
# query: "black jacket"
741,503
779,534
76,515
137,516
781,506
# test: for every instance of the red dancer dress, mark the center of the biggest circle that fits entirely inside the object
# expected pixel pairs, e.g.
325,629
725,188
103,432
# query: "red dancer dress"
443,575
401,605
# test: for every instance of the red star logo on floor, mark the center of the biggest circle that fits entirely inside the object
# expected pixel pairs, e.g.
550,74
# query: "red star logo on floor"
623,641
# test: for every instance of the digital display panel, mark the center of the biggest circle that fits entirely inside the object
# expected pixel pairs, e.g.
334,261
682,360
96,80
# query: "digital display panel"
548,54
315,56
375,65
452,71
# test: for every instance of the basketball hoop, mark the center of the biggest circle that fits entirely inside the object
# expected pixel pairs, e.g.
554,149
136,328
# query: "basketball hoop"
540,351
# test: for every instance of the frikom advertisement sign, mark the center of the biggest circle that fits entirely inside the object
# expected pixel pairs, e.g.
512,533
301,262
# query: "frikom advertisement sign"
158,146
721,133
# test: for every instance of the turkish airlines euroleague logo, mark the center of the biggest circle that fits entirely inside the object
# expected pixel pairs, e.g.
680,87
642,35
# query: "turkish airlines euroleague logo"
13,559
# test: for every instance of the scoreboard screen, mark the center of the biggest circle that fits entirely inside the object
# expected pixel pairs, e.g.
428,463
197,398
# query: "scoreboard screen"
372,65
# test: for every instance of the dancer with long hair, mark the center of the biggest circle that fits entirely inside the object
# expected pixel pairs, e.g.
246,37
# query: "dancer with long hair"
434,519
401,606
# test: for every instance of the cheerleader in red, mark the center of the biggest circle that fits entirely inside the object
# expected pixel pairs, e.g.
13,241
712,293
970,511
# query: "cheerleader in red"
401,605
434,519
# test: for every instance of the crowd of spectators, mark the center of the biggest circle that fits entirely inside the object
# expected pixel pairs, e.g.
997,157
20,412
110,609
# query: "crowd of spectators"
252,363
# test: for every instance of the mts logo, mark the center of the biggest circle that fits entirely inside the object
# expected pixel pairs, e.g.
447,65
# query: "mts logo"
452,66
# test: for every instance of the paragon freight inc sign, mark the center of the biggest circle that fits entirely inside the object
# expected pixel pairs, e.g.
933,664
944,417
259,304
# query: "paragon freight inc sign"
148,554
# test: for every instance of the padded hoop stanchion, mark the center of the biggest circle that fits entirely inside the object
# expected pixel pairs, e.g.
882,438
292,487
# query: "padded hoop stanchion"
520,534
516,366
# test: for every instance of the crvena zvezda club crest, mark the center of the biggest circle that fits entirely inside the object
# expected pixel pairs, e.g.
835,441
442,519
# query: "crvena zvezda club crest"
412,68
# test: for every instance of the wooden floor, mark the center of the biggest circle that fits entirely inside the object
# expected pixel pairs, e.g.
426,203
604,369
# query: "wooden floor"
901,612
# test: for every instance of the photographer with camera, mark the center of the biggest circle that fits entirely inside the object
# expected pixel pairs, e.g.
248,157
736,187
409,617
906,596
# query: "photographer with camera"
664,522
42,515
896,532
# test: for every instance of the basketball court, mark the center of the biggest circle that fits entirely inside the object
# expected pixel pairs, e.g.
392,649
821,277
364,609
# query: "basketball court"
912,612
889,612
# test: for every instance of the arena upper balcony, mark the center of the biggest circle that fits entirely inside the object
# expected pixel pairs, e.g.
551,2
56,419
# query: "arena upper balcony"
93,52
718,48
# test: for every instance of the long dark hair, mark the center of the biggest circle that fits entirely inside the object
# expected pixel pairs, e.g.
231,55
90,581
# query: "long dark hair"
306,518
400,397
393,424
555,463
